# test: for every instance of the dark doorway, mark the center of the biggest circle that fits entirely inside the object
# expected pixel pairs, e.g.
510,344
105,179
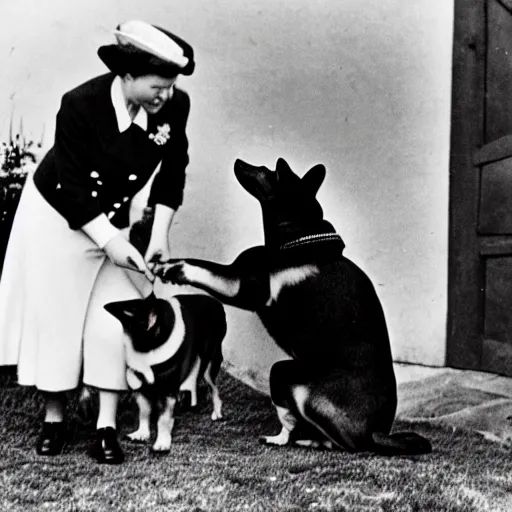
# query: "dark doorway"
480,244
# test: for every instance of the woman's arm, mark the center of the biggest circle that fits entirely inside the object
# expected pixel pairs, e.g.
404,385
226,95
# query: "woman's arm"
78,202
169,183
158,249
166,193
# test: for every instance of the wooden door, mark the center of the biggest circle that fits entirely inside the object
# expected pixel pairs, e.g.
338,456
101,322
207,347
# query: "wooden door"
480,270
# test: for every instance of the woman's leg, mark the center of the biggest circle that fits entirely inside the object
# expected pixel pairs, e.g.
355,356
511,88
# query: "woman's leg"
55,405
51,439
106,448
104,357
108,408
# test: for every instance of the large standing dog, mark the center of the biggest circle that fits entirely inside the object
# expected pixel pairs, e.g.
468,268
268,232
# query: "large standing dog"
170,343
339,389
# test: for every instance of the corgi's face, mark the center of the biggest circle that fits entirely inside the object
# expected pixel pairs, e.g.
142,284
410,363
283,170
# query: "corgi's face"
288,202
146,321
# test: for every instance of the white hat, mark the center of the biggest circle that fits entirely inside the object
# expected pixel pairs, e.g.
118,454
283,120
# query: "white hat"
141,49
150,39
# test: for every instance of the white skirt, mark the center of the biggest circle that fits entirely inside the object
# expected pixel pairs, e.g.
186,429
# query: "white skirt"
54,284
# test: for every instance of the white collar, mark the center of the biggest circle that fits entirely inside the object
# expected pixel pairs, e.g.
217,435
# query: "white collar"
123,117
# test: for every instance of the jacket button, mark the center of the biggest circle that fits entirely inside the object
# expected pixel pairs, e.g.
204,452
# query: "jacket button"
111,214
132,177
117,205
94,193
94,174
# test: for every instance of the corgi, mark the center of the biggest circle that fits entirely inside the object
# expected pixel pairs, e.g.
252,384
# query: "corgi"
338,389
170,343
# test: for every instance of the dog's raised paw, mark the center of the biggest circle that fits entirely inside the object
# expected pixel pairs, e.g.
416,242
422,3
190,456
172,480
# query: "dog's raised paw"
172,271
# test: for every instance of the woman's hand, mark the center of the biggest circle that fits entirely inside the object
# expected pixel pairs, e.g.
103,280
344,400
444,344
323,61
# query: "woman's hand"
123,254
157,253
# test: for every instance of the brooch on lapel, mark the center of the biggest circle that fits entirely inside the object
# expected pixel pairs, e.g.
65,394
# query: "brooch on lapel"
162,135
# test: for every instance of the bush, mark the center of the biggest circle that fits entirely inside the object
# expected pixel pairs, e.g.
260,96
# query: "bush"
18,158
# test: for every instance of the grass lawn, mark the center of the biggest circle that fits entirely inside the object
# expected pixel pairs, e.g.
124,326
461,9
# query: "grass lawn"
222,467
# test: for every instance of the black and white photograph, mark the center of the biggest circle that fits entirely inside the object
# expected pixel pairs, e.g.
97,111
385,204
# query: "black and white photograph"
256,256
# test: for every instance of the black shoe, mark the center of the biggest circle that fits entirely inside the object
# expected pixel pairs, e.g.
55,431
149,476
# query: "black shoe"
106,449
51,440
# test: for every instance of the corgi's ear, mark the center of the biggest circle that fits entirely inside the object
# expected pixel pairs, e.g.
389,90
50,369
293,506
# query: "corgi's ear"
151,297
124,310
313,179
152,319
150,309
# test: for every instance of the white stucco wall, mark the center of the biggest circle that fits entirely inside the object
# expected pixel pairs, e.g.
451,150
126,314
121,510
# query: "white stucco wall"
363,87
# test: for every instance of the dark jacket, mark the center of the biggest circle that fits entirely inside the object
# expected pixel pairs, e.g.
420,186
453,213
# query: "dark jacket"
94,169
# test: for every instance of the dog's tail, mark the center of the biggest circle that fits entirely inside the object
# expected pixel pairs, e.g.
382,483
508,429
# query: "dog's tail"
400,443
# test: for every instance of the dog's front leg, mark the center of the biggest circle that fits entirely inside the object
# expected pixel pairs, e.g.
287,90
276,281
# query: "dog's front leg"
165,425
238,284
216,279
142,434
136,363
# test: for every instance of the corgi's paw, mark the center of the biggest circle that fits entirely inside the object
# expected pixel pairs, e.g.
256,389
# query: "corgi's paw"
132,380
217,407
141,435
149,376
162,443
217,416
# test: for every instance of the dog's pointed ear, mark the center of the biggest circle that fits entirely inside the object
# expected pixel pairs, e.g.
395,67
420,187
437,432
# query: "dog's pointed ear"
124,310
284,171
314,178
